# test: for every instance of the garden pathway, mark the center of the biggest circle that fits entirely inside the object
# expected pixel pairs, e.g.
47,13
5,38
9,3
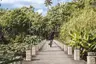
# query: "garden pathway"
53,55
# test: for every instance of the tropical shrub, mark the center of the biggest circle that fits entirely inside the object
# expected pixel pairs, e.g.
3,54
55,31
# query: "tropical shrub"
79,32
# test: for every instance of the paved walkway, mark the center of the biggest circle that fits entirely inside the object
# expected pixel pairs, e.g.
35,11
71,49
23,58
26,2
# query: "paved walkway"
53,55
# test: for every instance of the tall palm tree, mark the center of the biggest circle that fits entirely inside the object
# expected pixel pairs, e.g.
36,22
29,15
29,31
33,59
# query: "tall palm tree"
48,3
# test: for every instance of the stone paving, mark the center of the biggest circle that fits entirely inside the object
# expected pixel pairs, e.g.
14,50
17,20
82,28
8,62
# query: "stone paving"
53,55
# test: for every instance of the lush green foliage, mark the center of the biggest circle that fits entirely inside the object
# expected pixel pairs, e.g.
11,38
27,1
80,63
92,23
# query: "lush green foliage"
80,30
20,28
73,22
32,39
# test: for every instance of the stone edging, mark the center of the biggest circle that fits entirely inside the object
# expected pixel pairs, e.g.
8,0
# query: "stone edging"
61,45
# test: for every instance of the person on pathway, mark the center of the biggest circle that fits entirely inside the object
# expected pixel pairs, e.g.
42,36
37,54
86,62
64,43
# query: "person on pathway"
51,38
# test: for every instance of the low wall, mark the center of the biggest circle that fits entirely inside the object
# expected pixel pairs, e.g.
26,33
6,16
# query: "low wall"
59,44
34,50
